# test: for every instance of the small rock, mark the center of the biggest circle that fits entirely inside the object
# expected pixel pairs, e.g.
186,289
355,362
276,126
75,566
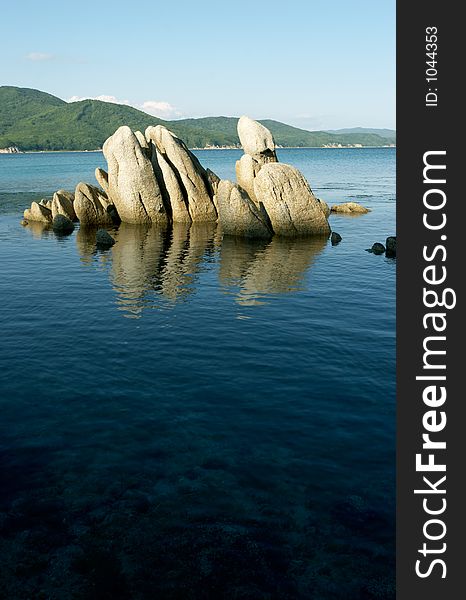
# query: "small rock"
377,248
390,244
104,239
62,224
335,238
24,223
350,208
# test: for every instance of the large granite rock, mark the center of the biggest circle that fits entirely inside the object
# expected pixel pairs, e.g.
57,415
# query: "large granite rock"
287,198
350,208
237,213
255,138
132,185
325,207
259,148
92,206
189,172
38,213
173,193
246,170
62,204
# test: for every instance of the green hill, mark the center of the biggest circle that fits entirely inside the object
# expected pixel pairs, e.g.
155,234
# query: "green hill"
34,120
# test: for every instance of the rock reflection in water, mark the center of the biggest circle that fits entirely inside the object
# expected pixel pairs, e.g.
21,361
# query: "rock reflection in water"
149,263
149,259
262,268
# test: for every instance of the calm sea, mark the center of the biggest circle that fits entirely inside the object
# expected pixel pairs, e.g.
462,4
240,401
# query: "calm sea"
186,417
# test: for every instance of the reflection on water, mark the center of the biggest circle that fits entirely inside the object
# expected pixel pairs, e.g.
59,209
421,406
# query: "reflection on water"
260,268
148,264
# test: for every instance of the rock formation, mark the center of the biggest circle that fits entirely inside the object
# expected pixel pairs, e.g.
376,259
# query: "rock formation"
38,213
259,149
238,215
62,204
102,179
92,206
154,179
287,198
189,172
132,185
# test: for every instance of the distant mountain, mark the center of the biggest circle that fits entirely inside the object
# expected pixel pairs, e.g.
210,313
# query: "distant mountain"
386,133
34,120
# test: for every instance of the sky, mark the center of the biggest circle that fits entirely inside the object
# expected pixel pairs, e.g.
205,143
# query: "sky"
315,64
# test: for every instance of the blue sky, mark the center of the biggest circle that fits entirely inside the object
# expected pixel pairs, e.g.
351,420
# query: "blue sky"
315,64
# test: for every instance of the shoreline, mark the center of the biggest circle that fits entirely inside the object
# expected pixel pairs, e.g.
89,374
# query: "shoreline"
205,149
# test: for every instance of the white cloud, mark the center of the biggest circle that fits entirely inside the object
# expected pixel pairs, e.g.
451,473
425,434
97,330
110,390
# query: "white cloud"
160,109
39,56
102,98
157,108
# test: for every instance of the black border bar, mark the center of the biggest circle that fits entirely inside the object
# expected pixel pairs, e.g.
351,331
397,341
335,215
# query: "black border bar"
430,350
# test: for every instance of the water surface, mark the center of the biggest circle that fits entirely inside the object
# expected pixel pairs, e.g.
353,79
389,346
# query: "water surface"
186,416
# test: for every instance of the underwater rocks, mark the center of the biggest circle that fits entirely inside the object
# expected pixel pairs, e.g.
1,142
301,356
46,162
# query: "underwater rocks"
335,238
390,245
103,239
62,224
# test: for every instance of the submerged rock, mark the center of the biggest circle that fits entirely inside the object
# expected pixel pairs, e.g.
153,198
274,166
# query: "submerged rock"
390,244
335,238
132,185
377,248
289,202
104,239
352,208
62,224
238,214
92,206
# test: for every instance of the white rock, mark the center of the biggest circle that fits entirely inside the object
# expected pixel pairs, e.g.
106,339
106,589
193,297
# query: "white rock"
62,204
38,213
255,138
92,205
132,185
188,170
102,179
238,215
289,202
172,192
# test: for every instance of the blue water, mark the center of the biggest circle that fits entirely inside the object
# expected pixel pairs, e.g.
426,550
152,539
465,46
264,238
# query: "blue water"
190,417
